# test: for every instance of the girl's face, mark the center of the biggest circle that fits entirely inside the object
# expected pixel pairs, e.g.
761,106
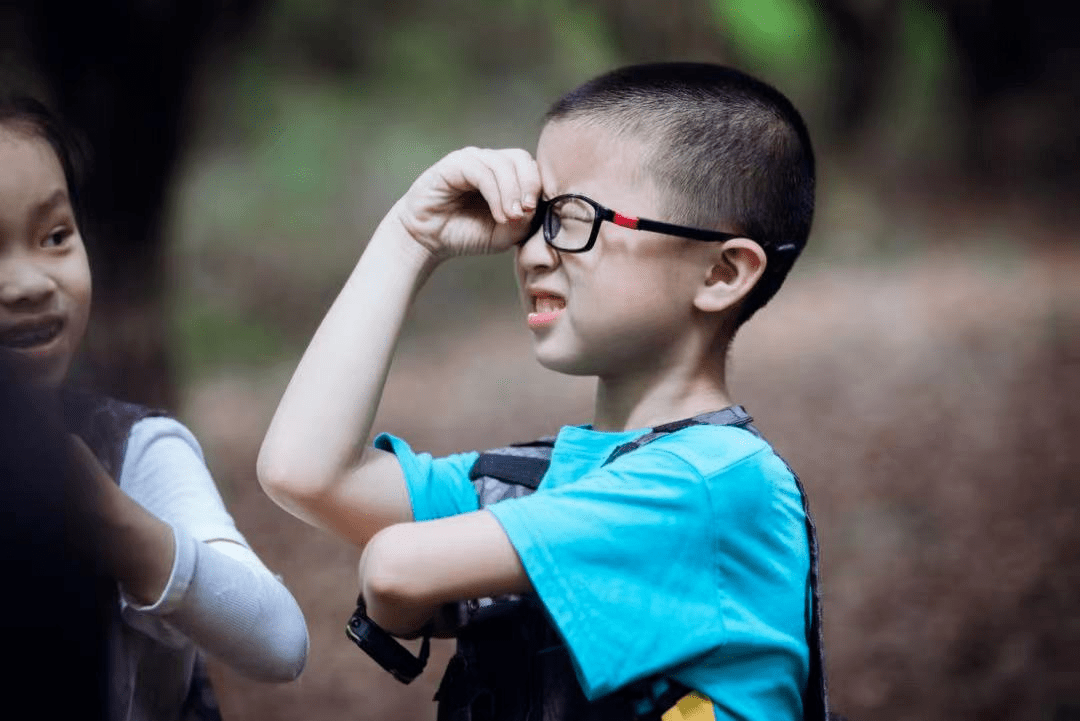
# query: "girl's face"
44,273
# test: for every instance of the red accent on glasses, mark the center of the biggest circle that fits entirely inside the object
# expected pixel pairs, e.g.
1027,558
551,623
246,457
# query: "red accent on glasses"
625,221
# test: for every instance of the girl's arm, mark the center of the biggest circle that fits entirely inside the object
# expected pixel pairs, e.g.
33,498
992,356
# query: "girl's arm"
215,591
315,461
135,546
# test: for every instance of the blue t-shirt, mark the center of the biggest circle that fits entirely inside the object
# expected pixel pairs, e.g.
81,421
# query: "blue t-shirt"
687,557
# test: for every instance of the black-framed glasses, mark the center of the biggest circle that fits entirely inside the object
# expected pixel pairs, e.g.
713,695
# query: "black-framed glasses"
571,223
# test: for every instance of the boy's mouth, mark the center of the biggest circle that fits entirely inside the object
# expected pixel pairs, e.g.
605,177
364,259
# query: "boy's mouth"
546,308
31,334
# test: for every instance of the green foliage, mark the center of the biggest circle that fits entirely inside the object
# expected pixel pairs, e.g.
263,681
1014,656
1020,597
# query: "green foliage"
785,39
208,337
920,96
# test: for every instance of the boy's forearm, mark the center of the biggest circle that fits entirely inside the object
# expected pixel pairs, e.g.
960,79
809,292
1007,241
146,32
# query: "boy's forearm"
409,570
325,416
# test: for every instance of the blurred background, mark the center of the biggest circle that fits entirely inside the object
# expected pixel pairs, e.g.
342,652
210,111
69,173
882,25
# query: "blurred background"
920,368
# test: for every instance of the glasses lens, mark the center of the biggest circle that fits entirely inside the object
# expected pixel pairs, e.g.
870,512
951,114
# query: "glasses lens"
568,223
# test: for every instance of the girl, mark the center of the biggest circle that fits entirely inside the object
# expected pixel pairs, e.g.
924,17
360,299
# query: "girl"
187,579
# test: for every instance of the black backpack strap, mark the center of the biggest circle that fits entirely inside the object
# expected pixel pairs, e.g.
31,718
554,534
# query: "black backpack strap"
511,465
520,470
650,698
730,416
816,698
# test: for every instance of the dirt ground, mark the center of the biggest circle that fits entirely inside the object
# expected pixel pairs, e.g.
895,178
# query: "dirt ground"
931,408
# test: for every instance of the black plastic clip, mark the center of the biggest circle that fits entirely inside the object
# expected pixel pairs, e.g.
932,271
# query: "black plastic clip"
384,648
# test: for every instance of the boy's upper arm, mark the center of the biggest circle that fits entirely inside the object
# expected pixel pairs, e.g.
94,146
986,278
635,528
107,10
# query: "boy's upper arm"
371,497
392,485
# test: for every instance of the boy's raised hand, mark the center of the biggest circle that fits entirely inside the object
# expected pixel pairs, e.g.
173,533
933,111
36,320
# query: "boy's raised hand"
315,461
472,202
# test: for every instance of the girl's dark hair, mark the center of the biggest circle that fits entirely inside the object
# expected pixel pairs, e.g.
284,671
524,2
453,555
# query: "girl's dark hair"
34,117
731,152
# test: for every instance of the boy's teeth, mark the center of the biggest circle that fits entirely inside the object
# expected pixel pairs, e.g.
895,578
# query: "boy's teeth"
548,304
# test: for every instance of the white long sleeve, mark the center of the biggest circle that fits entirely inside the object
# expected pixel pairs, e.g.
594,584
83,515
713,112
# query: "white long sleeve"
219,596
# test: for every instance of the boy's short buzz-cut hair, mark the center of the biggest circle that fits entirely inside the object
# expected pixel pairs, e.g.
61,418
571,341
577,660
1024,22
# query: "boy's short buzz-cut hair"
728,151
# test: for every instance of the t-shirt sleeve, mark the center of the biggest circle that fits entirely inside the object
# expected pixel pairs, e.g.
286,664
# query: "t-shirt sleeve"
625,561
438,487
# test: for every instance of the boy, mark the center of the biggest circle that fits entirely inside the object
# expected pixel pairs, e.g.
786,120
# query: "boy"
684,562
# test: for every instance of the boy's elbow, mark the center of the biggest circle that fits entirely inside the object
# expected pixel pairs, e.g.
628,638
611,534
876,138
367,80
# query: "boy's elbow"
273,475
389,578
285,482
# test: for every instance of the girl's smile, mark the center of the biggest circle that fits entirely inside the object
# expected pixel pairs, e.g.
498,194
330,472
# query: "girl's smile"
34,336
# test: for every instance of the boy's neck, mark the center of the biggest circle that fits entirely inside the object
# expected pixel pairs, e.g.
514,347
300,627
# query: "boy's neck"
628,403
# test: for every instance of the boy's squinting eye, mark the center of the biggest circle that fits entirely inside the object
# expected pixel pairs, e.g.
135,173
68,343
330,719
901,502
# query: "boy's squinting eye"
571,217
574,211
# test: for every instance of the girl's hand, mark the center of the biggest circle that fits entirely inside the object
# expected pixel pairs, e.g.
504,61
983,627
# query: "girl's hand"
474,201
136,547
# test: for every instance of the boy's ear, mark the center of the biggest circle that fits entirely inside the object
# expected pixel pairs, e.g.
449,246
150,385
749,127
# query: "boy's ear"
733,271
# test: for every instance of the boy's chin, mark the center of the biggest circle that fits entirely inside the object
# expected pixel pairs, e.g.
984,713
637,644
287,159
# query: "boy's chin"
563,363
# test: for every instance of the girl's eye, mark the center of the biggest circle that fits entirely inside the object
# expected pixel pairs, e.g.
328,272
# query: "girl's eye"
56,238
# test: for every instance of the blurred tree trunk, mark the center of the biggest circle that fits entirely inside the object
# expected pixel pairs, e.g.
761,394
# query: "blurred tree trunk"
122,73
863,34
1018,66
663,30
1021,101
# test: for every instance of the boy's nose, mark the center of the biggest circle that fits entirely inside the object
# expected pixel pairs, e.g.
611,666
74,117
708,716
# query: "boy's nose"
23,284
534,252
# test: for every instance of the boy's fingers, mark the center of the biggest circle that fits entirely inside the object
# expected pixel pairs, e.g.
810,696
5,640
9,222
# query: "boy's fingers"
504,169
497,175
465,170
518,176
469,169
528,175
